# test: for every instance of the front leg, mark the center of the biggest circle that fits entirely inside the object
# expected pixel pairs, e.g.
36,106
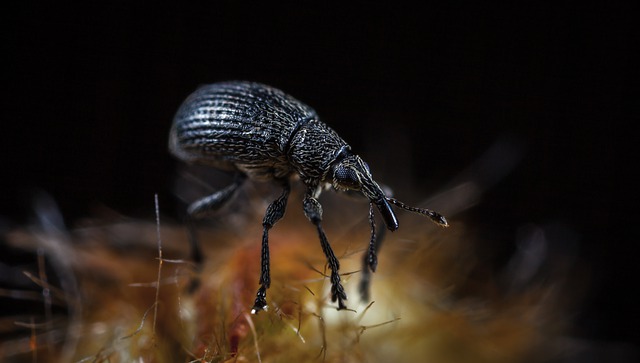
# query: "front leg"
370,258
313,211
275,211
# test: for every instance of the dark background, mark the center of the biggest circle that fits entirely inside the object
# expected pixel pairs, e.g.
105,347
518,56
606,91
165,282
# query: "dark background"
90,91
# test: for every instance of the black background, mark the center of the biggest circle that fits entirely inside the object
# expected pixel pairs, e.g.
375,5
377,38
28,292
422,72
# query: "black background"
90,91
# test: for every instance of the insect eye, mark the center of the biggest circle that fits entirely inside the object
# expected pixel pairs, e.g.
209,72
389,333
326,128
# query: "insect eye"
346,178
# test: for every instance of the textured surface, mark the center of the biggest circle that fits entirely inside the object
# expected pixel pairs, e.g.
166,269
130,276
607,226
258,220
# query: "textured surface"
250,127
264,134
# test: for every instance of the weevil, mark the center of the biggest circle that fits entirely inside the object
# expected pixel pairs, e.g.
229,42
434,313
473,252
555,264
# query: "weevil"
263,134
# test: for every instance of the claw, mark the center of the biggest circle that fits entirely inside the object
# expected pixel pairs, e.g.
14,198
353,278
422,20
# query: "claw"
261,301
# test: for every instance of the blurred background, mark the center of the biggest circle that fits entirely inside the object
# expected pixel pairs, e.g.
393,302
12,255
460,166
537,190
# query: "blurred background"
532,103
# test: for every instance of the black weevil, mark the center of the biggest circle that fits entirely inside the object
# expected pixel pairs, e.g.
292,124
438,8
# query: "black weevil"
262,133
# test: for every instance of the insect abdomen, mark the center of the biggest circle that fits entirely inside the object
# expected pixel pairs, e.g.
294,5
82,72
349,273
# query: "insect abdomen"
239,125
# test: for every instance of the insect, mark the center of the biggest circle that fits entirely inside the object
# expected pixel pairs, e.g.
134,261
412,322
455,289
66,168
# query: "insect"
261,133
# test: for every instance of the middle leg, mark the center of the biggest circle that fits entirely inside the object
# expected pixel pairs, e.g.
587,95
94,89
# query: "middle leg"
275,211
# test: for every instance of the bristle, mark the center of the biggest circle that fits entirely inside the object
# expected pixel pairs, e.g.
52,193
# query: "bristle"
422,311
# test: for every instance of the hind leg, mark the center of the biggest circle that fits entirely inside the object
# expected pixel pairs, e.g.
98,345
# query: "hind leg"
207,206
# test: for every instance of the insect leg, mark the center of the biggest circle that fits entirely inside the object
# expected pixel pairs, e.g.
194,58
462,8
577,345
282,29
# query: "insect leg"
206,206
211,203
370,258
313,211
275,211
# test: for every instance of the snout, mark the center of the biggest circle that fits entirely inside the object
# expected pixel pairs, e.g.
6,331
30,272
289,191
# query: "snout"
387,213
